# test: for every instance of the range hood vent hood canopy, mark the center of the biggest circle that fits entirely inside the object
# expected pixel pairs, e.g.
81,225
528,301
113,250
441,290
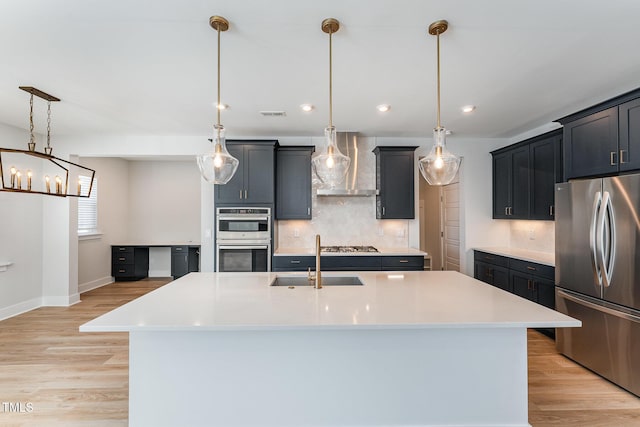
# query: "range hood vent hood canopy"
348,144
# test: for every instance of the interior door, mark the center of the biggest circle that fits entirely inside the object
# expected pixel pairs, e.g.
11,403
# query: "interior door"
451,226
575,221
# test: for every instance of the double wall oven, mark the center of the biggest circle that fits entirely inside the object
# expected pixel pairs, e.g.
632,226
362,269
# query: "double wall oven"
243,239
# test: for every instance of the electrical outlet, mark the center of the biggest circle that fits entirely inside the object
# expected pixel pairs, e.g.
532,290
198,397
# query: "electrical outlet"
532,234
400,232
296,232
380,231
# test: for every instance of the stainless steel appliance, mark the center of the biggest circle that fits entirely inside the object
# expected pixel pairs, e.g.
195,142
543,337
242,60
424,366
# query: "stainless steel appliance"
598,275
243,239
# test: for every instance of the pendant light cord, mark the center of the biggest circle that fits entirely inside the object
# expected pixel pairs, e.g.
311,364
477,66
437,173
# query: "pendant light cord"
330,80
438,50
218,103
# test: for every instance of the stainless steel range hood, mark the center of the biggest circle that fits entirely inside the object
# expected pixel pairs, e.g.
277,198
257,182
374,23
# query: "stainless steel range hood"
348,145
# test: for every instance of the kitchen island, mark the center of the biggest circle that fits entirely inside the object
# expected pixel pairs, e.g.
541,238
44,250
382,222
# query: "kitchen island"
410,348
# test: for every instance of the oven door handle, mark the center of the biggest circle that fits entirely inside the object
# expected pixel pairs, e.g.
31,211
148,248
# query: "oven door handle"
242,218
243,247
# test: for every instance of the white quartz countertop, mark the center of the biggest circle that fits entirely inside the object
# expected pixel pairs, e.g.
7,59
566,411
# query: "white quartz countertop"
546,258
387,300
381,251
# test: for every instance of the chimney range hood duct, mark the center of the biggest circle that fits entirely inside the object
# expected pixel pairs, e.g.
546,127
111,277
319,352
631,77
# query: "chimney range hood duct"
348,144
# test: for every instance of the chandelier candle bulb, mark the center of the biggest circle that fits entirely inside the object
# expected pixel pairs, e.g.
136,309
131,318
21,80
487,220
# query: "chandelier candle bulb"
58,185
79,187
18,180
13,176
29,175
47,181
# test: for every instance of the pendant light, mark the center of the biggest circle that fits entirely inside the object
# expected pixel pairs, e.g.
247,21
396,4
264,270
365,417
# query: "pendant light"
440,166
330,165
34,172
218,166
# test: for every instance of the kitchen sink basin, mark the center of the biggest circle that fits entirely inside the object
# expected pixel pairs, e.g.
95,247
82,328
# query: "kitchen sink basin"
326,281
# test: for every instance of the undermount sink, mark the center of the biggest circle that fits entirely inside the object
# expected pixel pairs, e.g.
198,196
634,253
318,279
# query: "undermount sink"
326,281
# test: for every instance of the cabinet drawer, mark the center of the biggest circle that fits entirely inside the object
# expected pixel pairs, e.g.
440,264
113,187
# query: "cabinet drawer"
122,258
293,263
402,263
540,270
491,258
350,263
125,270
121,249
179,249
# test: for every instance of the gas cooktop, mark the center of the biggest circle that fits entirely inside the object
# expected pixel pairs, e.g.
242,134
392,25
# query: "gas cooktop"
348,249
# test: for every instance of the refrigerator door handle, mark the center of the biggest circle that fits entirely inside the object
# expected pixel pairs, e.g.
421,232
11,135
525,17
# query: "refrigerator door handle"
606,233
597,202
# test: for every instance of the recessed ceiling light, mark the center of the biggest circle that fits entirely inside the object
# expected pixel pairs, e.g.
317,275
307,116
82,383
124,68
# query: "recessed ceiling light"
383,108
307,107
468,108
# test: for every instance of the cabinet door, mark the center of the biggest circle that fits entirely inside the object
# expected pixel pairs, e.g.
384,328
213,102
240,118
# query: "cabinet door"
232,191
293,183
179,264
501,278
520,183
544,156
259,175
396,199
545,292
501,185
630,135
590,145
522,285
481,271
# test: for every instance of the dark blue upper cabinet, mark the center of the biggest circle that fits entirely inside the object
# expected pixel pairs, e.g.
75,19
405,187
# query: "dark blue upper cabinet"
254,182
395,168
293,182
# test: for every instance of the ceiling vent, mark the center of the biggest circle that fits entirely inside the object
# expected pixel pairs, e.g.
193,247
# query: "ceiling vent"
273,113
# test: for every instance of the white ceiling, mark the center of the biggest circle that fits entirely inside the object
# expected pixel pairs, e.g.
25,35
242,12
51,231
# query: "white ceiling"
149,66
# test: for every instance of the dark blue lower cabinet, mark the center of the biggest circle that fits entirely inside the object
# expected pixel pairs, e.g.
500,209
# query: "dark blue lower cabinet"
348,263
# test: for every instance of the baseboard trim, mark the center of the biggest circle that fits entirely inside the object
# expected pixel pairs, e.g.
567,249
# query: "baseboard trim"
19,308
60,301
94,284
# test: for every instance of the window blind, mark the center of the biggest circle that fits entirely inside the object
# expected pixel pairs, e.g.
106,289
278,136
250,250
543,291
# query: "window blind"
88,208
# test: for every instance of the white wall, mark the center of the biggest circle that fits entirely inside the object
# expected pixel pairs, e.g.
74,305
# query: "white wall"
20,241
164,202
94,255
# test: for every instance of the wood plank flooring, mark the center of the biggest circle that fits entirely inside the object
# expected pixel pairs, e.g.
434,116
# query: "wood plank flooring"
75,379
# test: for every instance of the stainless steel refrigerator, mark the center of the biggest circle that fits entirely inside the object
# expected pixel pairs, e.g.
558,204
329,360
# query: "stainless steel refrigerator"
598,275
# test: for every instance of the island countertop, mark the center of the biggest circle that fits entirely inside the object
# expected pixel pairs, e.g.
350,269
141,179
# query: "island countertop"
246,302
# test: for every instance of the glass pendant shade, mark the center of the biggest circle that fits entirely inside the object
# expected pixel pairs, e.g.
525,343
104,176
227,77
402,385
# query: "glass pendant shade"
330,165
440,166
218,166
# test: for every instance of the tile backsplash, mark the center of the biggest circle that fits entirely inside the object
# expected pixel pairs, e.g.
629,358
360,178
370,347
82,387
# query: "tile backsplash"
346,220
533,235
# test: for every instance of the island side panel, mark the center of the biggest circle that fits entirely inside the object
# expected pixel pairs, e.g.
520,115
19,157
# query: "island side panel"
380,377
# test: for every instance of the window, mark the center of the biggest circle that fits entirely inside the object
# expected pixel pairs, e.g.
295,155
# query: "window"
88,209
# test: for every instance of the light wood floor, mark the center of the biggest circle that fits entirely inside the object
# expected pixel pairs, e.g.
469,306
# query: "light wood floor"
75,379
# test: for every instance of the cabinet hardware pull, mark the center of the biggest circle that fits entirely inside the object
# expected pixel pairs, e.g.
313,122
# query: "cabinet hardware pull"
611,156
178,249
121,271
241,194
488,257
245,194
383,210
308,211
506,210
531,268
295,261
622,156
404,260
550,210
529,284
122,249
121,259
